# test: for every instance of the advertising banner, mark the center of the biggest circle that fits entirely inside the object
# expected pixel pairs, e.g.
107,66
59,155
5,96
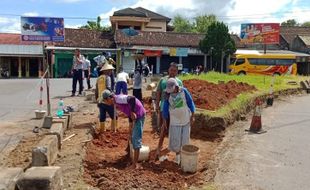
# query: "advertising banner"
179,52
42,29
260,33
152,53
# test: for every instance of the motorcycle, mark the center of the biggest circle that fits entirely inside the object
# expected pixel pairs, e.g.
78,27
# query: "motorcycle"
4,73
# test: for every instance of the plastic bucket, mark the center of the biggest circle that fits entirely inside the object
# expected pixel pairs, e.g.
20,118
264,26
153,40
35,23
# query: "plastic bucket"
40,114
144,153
189,158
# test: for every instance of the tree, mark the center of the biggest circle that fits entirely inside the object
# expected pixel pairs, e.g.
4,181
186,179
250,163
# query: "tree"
218,43
306,24
181,24
203,22
96,25
290,22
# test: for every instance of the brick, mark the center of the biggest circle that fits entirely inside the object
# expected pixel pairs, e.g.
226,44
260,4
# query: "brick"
9,177
41,178
46,152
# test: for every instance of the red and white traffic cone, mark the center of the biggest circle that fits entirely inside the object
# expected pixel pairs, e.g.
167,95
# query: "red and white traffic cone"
256,124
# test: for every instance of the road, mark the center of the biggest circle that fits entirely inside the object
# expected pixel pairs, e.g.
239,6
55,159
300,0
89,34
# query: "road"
278,159
18,100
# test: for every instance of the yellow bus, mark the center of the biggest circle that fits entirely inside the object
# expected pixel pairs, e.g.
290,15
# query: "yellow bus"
264,64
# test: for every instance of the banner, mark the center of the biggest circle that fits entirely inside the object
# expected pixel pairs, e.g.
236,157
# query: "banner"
42,29
152,53
179,52
261,33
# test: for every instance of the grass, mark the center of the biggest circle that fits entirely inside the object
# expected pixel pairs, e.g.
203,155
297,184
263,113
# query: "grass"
262,83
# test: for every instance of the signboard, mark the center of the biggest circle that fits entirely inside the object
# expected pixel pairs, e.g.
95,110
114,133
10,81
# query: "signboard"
152,53
262,33
42,29
180,52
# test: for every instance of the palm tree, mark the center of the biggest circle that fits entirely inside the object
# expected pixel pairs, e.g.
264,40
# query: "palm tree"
95,25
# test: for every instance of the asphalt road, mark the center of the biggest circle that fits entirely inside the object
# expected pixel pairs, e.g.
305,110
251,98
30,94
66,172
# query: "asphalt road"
20,97
278,159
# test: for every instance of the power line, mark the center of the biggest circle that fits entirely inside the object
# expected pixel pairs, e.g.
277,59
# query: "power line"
69,17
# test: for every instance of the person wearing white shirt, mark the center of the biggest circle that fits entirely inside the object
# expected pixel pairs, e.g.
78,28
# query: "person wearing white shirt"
100,60
86,68
121,84
77,71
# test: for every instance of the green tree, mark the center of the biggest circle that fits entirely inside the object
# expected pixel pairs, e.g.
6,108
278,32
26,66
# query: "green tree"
203,22
306,24
290,22
181,24
218,43
96,25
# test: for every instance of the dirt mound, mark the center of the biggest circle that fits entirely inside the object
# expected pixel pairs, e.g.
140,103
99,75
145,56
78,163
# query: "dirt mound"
106,166
210,96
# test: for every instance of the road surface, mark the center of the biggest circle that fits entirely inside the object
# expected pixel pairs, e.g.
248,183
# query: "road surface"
278,159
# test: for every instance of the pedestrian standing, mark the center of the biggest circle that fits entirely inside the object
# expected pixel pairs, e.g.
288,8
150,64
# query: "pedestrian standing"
137,84
77,72
104,83
122,79
135,112
86,68
179,108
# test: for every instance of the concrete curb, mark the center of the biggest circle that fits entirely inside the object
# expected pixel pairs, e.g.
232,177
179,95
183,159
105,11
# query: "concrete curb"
46,152
9,178
43,178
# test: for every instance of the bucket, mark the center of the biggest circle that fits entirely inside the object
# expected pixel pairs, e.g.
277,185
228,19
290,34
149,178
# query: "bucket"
189,158
40,114
144,153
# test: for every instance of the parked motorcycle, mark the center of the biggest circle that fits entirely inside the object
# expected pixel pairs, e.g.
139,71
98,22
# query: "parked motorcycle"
4,73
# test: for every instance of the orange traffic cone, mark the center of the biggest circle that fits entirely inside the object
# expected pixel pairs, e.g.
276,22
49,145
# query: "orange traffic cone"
256,124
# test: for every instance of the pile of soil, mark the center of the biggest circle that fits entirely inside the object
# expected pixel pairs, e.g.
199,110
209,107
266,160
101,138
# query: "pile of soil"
106,163
210,96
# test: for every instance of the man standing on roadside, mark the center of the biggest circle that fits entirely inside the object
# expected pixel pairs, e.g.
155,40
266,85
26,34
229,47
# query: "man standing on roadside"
77,72
122,79
160,98
86,68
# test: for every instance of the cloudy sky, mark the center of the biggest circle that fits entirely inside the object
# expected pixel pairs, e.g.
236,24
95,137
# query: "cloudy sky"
77,12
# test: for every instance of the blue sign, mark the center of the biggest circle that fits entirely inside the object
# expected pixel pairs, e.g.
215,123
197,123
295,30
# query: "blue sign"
182,52
42,29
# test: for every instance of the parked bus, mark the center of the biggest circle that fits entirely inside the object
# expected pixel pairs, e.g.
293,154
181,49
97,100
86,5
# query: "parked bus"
264,64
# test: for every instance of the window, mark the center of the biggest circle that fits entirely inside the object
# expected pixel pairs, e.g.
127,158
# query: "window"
240,61
284,61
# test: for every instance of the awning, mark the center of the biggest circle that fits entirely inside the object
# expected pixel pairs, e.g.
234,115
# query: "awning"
21,50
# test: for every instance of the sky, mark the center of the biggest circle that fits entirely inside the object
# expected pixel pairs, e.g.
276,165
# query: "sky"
77,12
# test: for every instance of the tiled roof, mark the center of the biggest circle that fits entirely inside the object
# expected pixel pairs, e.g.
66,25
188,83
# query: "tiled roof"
170,39
129,12
14,39
289,33
86,38
152,15
305,39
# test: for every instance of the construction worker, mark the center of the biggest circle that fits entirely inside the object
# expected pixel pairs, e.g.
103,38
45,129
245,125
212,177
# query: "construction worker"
104,83
135,112
160,98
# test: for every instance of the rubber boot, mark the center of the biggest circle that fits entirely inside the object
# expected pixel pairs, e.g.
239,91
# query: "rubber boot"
114,125
102,127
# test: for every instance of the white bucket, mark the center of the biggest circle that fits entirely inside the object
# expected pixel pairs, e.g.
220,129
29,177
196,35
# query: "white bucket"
189,158
144,153
40,114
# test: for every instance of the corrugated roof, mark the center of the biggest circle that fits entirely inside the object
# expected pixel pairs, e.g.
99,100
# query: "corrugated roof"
21,50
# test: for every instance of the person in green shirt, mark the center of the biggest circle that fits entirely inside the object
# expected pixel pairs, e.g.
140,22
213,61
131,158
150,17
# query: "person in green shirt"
160,98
